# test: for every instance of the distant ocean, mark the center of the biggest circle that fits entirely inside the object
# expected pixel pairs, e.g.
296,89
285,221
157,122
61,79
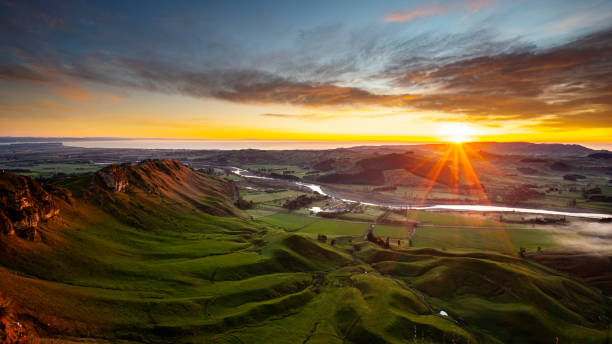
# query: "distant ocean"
226,144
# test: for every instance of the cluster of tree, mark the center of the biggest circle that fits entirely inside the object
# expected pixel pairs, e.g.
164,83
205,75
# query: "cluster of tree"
593,191
537,220
601,198
274,190
302,201
523,251
207,170
378,241
244,204
573,177
331,214
283,176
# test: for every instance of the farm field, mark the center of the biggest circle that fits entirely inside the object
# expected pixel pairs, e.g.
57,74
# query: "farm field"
152,266
505,240
501,239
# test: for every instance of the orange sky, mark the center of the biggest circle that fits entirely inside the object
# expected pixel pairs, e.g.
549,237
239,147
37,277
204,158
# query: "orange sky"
403,71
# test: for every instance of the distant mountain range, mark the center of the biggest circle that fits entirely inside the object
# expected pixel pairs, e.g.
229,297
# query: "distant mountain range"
501,148
508,148
526,148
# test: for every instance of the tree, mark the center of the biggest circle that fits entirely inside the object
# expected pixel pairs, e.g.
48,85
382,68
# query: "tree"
322,237
244,204
371,236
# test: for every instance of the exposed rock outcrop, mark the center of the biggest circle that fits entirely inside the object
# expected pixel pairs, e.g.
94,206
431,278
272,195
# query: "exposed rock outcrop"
167,179
152,176
114,177
25,204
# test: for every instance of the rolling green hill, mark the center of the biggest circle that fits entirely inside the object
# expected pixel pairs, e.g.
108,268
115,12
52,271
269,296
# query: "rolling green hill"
156,252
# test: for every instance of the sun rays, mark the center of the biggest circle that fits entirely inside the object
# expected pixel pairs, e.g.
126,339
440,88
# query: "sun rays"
451,165
457,159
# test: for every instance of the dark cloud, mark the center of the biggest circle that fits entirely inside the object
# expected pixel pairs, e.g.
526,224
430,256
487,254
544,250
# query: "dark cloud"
20,73
572,80
470,73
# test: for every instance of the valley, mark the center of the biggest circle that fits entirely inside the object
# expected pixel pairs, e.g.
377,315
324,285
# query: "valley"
160,250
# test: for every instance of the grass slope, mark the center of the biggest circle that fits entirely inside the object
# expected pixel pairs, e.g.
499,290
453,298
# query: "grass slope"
183,275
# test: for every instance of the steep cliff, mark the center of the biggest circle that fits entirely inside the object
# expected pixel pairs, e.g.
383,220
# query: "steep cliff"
25,204
168,179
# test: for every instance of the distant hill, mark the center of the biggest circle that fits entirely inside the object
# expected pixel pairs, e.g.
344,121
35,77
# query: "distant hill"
601,155
370,171
525,148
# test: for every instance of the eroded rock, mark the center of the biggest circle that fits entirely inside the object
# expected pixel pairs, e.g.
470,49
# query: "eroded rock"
24,204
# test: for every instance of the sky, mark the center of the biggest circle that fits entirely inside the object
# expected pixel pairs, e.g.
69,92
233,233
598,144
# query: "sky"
412,71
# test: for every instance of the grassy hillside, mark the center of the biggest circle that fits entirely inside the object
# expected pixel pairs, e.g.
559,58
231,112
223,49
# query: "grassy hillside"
157,267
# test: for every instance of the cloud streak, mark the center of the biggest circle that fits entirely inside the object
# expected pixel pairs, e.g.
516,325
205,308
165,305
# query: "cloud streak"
469,74
428,11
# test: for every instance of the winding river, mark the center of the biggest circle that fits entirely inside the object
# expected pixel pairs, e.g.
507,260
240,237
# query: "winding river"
453,207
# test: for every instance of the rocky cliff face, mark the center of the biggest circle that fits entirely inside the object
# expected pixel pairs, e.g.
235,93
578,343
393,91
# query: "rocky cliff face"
25,204
152,176
114,177
159,178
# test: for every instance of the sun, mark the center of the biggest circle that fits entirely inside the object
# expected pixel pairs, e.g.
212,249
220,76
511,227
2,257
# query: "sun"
457,132
457,139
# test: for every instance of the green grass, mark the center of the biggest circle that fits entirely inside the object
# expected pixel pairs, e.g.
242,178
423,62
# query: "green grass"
297,171
187,276
289,221
261,212
501,240
334,227
452,219
264,197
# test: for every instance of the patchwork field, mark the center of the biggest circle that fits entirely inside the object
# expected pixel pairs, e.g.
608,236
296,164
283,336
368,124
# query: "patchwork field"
500,239
169,258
